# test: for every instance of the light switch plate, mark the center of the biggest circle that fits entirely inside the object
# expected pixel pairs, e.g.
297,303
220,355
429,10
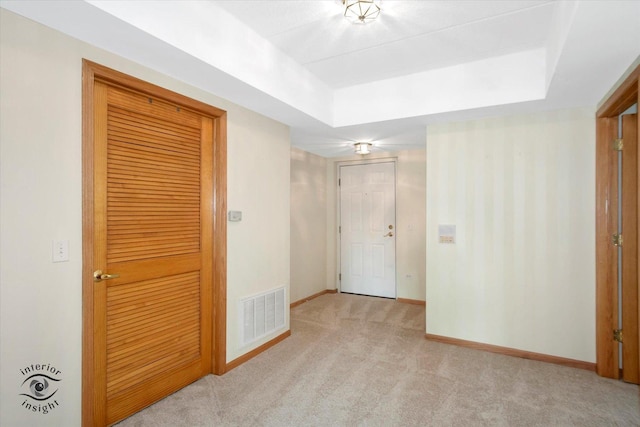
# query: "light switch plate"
60,251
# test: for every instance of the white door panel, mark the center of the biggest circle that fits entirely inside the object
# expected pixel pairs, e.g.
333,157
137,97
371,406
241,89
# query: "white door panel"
368,229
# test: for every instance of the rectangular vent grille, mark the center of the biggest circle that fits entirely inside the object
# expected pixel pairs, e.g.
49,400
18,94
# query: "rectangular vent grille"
261,315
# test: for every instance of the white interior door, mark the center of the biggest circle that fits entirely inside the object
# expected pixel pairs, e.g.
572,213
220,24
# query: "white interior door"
368,229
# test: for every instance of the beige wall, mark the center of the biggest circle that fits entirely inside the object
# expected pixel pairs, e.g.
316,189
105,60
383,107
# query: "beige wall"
258,247
41,182
308,224
410,221
521,192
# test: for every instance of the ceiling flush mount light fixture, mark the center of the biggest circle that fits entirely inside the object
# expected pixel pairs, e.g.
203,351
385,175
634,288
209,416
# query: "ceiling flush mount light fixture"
362,147
361,11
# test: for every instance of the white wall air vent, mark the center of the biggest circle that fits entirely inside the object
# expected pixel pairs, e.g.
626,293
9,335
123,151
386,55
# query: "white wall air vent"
261,315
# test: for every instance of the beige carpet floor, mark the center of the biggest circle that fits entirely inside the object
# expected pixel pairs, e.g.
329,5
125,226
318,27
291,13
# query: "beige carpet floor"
361,361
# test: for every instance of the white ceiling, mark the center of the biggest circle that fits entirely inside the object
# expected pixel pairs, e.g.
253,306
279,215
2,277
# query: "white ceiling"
334,83
408,37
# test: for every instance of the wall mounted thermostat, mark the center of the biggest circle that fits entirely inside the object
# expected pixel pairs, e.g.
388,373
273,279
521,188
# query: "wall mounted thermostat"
235,216
447,233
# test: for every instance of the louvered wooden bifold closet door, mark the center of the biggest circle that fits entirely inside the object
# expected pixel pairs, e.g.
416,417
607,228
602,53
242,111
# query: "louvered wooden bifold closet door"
153,168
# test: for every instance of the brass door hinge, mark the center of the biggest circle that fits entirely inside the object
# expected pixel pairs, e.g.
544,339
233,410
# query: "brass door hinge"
339,229
617,335
340,276
617,239
618,144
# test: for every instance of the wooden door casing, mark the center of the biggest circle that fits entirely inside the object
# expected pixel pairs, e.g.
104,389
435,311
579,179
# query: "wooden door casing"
154,203
630,359
626,95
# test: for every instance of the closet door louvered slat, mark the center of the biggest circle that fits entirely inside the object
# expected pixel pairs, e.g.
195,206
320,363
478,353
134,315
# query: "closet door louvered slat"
153,163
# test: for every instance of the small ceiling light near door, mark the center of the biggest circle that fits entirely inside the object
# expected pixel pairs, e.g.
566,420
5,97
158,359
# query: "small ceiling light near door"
361,11
363,148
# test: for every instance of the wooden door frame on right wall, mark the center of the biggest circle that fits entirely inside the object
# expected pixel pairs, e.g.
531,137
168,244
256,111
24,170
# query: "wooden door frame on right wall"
627,94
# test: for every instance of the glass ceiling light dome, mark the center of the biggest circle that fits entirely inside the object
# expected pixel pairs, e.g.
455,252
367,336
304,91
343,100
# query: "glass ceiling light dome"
361,11
362,147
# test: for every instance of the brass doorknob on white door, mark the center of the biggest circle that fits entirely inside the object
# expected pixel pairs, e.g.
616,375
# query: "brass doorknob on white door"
99,276
389,234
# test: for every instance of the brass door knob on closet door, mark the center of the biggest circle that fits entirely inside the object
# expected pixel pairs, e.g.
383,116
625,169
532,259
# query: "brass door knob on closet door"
99,276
